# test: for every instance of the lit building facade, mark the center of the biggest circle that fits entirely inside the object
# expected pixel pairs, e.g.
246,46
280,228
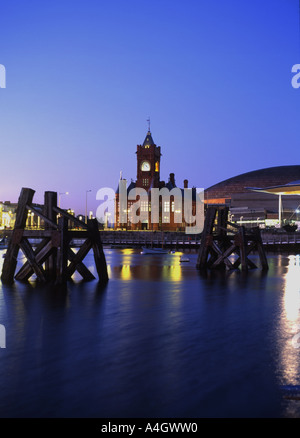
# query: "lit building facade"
251,203
169,213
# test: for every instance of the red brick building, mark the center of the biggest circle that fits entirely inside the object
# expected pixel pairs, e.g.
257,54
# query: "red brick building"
148,156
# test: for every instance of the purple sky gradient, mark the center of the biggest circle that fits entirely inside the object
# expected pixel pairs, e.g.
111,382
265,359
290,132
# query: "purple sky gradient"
84,76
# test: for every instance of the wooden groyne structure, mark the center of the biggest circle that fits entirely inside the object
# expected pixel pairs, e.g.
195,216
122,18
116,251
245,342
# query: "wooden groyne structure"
218,245
53,259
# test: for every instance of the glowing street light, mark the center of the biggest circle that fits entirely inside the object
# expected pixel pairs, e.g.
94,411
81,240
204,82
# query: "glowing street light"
86,192
59,196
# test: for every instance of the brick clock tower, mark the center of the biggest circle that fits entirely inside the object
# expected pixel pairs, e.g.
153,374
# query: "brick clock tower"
148,177
148,164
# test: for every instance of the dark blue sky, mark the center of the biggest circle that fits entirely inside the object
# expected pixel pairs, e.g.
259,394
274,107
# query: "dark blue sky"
84,76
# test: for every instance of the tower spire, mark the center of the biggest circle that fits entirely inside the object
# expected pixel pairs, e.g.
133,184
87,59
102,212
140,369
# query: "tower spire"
148,120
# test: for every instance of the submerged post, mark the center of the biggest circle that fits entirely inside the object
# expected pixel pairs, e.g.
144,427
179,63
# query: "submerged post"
62,253
99,256
50,202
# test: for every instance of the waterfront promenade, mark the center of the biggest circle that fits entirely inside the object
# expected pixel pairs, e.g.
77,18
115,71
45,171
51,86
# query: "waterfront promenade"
273,241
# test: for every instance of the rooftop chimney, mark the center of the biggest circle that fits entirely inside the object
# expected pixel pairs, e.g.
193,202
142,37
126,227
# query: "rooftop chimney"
185,183
172,179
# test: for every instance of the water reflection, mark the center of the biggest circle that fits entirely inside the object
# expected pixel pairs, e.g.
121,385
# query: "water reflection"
289,323
130,264
160,339
126,272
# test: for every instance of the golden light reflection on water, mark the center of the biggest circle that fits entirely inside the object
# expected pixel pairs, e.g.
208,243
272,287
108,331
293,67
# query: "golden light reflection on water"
127,251
289,324
126,272
133,265
292,288
172,273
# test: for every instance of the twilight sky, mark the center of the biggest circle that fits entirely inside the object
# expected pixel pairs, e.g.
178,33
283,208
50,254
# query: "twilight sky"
83,76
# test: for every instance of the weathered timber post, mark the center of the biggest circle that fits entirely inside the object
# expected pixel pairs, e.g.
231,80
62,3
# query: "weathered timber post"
206,238
62,252
50,259
50,201
99,256
11,256
260,248
222,221
241,241
217,244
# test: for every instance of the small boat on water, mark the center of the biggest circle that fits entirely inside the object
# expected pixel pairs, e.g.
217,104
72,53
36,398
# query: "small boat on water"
146,250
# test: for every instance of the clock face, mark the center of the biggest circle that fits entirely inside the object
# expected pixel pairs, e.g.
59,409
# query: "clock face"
145,166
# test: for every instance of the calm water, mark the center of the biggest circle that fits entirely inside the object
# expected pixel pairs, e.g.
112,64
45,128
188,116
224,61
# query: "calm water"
159,341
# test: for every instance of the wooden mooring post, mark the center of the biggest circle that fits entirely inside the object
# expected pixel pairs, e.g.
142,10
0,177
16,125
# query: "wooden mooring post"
217,244
53,259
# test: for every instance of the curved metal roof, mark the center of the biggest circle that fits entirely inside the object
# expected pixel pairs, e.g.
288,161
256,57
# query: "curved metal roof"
280,177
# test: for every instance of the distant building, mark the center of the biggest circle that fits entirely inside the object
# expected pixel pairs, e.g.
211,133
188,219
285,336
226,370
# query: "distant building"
258,206
148,177
7,214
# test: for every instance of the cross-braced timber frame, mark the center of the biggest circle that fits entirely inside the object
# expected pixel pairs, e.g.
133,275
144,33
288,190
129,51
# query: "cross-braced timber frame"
53,259
217,244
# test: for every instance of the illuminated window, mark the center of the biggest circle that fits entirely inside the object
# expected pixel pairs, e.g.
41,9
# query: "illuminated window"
157,166
144,205
166,206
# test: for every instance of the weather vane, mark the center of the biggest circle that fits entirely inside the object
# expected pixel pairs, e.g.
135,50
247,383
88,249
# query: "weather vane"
148,120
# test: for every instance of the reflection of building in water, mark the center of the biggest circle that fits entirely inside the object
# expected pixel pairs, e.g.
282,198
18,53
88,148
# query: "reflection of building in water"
172,272
125,272
289,326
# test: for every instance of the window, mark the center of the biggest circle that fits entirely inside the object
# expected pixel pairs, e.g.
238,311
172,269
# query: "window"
144,205
166,206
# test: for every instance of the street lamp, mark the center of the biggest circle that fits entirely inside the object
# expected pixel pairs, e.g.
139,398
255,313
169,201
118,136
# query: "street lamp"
59,195
86,192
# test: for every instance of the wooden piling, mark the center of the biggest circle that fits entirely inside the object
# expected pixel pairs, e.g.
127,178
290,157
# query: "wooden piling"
62,251
50,202
53,259
99,256
206,238
217,245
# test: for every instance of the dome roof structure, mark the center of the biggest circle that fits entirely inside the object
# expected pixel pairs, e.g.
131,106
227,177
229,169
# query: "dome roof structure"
258,179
